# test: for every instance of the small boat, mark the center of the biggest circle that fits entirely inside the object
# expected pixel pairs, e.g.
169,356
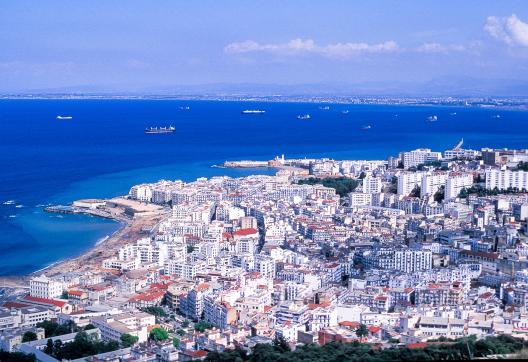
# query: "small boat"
324,108
452,114
367,127
64,118
159,130
253,111
184,108
432,118
344,111
9,202
304,116
496,116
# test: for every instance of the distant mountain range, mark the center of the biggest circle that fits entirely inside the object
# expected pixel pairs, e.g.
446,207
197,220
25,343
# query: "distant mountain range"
445,86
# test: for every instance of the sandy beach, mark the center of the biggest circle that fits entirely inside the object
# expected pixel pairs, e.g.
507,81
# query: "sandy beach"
137,220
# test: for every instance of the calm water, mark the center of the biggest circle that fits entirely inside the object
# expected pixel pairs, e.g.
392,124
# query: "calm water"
103,151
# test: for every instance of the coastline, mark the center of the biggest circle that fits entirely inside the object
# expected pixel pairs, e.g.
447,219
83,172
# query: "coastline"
131,228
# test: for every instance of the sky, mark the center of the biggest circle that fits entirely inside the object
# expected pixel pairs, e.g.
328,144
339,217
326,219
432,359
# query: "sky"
162,45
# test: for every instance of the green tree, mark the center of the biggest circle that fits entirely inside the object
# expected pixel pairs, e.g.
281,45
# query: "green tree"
52,329
29,336
158,334
362,331
175,342
185,323
180,332
49,347
83,345
201,326
16,357
281,344
57,349
156,311
89,326
439,195
128,340
342,185
190,249
64,295
415,192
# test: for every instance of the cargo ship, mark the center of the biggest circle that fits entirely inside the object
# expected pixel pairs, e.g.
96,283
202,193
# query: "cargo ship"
304,116
253,111
64,118
158,130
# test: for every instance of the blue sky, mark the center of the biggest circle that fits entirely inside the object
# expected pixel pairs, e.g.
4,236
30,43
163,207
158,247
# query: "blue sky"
139,45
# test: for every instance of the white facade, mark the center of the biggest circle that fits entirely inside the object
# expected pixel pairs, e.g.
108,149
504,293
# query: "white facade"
432,182
455,183
407,181
135,324
360,199
504,179
460,153
413,260
419,156
44,287
371,185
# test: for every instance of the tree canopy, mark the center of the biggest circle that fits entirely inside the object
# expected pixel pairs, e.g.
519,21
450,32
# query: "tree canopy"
16,357
342,185
29,336
158,334
156,311
462,349
52,329
128,340
201,326
83,345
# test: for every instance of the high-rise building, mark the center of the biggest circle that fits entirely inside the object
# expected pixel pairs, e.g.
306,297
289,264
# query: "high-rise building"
419,156
505,179
432,182
455,183
407,181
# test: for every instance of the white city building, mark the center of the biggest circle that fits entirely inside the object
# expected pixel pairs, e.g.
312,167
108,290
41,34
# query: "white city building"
432,182
504,179
371,185
455,183
360,199
407,181
419,156
44,287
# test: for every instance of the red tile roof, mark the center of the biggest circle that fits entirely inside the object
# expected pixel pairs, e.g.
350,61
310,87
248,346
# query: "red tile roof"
374,329
245,232
148,296
57,303
202,286
76,292
14,305
349,324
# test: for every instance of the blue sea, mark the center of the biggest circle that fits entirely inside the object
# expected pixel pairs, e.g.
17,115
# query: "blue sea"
103,151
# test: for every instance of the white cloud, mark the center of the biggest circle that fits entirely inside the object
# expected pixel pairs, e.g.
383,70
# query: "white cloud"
305,46
440,48
511,30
